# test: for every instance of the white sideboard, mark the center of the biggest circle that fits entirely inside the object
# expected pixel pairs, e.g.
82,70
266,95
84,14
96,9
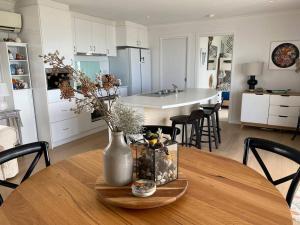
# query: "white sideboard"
270,110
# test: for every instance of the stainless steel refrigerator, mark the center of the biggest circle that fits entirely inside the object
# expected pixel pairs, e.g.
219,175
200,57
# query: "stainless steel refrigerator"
133,67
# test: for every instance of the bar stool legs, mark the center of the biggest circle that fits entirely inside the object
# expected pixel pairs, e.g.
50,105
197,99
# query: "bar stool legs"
218,127
297,130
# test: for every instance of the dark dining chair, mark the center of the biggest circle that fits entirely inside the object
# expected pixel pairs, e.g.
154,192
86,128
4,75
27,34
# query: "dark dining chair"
40,148
252,144
172,131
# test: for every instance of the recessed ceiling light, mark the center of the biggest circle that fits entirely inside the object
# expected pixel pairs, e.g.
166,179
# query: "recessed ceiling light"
210,15
147,17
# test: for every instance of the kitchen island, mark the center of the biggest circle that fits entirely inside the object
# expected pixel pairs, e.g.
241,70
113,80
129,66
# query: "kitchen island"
157,109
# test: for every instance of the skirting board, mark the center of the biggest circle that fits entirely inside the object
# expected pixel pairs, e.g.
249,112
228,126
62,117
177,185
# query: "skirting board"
267,126
75,137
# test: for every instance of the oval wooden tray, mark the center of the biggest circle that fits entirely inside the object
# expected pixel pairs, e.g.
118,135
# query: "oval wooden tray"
122,196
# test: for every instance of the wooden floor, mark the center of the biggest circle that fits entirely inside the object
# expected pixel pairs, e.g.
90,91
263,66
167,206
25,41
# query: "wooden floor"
232,147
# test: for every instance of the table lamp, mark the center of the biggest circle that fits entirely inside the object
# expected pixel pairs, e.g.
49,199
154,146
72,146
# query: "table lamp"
252,69
3,93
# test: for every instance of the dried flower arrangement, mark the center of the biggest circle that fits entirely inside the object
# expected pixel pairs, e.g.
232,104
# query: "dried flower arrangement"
100,94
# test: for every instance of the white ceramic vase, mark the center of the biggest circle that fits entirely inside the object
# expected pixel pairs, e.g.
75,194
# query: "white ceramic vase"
118,161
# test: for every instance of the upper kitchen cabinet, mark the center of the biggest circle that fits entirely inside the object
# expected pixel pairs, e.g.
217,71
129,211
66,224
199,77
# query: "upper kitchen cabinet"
132,35
111,40
93,37
82,36
54,35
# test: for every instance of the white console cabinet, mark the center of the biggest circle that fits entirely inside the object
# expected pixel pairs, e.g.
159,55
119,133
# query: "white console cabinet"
270,110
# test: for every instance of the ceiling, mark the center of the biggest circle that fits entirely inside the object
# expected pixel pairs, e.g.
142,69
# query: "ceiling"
152,12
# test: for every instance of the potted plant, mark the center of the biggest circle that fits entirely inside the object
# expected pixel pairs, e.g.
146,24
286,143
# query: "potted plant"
121,120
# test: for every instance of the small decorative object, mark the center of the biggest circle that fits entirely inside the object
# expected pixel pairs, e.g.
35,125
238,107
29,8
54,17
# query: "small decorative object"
101,95
19,56
156,160
9,40
18,84
210,81
10,55
143,188
13,69
280,92
18,40
3,93
283,55
252,70
20,70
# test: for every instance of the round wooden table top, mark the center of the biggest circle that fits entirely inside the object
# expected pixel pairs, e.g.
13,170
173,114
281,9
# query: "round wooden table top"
221,191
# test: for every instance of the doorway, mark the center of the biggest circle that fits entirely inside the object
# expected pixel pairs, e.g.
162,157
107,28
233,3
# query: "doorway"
173,65
215,55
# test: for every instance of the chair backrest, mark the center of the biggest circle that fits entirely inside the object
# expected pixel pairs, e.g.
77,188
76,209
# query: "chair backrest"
165,129
293,154
196,115
39,148
217,107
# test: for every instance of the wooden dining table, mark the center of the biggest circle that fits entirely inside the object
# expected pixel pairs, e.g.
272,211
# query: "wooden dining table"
220,191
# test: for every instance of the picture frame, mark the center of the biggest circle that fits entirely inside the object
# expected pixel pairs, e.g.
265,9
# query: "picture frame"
283,55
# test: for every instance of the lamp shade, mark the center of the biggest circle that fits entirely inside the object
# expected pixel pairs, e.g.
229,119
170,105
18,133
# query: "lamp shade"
253,69
3,90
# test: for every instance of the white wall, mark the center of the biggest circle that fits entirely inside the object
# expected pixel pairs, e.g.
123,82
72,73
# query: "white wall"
252,38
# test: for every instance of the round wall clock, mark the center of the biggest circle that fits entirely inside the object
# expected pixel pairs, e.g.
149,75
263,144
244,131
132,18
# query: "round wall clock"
285,55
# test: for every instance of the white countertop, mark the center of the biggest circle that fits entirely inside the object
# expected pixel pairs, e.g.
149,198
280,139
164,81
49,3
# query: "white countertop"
190,96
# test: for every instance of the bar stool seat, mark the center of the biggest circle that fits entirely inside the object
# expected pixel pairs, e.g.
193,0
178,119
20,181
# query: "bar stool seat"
194,119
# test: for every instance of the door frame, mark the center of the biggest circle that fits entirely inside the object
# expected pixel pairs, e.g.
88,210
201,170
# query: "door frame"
197,61
161,39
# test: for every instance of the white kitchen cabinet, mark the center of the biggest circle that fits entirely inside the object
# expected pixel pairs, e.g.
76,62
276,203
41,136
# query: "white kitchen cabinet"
56,35
99,38
271,110
132,35
94,38
83,35
255,108
111,44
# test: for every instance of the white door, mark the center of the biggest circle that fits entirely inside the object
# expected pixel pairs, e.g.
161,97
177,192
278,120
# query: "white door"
111,40
99,38
255,108
83,35
173,62
146,71
23,101
135,70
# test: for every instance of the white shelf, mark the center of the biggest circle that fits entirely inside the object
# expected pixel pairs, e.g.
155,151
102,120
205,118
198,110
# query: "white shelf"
18,60
20,75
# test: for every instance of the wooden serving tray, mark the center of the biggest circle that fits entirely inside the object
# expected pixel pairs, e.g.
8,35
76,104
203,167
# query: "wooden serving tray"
123,197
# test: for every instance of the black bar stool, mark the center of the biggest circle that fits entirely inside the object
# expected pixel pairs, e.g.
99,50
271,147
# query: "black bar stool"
194,119
216,108
212,127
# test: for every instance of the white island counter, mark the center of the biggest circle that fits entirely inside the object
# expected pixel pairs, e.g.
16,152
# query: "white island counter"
158,110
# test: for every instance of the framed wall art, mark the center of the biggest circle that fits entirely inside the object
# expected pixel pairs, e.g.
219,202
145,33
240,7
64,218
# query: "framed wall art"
284,54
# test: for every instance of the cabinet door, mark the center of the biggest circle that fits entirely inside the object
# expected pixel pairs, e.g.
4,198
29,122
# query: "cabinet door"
57,36
111,40
23,101
83,35
143,38
255,108
132,36
99,38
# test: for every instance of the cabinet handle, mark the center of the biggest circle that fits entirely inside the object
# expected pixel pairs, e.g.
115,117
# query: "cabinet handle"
283,116
75,50
66,129
284,106
107,51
